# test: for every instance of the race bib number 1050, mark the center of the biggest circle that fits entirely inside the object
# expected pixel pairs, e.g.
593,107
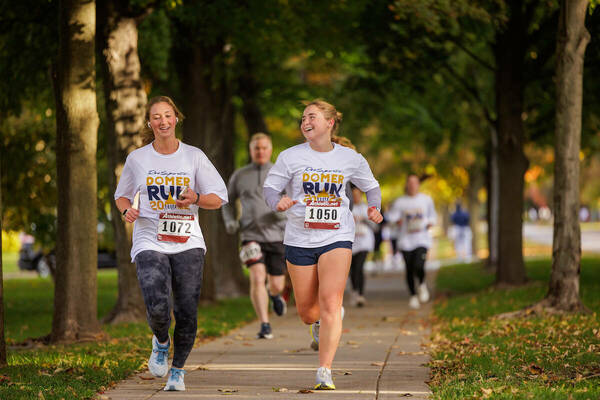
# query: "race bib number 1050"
174,227
322,215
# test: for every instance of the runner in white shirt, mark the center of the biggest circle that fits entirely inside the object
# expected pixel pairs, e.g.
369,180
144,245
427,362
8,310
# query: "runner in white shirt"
320,227
364,243
415,214
173,180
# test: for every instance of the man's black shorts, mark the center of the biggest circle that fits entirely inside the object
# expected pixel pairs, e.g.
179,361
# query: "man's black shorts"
273,256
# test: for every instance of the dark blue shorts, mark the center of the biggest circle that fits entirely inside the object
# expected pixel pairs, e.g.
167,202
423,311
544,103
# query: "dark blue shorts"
310,256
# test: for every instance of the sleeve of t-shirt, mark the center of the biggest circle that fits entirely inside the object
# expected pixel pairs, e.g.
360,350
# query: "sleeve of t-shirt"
126,187
431,214
362,176
208,179
279,175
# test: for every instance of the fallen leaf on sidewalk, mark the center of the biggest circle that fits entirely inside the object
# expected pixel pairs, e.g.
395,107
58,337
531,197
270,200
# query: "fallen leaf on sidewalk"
407,333
411,353
390,319
247,344
280,389
305,391
201,368
377,364
406,395
228,390
147,378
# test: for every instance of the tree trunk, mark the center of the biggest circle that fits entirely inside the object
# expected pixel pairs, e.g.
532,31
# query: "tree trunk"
475,183
2,339
248,89
572,39
125,100
75,293
210,126
512,163
493,200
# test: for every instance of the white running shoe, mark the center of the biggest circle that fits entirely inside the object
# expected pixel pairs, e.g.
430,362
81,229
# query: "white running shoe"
423,293
314,334
354,298
314,331
324,380
158,361
414,302
361,301
175,381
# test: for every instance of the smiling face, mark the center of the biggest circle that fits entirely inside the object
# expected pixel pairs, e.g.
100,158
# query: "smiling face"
314,126
162,120
260,151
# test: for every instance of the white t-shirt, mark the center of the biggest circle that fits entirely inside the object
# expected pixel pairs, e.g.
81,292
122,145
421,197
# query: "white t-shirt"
416,213
160,178
364,238
306,174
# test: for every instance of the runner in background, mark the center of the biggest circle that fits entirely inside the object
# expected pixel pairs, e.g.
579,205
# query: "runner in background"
320,227
415,214
261,232
364,243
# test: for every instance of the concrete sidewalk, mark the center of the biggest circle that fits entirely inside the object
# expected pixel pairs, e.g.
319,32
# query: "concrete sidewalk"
380,357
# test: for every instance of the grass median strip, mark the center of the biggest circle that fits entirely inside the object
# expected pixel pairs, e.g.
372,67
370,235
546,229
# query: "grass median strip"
475,355
79,371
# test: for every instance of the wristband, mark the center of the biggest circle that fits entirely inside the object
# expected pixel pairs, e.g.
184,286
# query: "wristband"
125,212
377,208
197,198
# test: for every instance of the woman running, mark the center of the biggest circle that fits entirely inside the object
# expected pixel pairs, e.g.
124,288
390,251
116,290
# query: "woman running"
320,227
174,180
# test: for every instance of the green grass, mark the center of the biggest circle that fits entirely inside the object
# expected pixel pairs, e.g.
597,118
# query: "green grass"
541,357
9,261
81,370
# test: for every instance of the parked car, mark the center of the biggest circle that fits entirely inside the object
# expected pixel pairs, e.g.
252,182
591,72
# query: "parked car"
35,260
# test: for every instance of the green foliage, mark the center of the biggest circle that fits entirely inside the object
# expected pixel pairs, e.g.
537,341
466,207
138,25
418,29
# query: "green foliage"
474,354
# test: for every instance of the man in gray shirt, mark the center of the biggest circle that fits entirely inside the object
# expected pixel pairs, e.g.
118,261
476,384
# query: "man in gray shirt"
261,232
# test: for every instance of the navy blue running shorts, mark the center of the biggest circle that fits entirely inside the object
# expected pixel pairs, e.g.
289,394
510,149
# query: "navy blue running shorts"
310,256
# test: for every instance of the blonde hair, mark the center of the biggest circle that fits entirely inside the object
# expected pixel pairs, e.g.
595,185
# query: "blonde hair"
329,112
147,133
258,136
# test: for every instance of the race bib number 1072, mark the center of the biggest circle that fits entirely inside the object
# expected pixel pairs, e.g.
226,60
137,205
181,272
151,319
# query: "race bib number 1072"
174,227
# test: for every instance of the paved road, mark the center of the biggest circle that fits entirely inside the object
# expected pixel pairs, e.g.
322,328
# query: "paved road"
590,240
380,357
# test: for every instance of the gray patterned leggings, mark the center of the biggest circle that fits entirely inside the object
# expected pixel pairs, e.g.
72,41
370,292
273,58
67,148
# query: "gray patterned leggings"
172,281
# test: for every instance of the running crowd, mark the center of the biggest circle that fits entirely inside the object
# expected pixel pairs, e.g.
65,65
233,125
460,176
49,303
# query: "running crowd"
303,216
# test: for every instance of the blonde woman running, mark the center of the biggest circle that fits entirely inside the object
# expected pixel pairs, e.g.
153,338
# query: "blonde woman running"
320,227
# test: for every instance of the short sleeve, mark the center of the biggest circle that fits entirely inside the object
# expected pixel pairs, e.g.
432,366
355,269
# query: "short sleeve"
127,187
362,176
208,180
279,175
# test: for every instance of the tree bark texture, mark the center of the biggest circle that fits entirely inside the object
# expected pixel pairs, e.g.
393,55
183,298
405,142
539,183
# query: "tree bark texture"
248,90
510,53
209,125
493,200
473,206
75,293
125,104
572,39
2,338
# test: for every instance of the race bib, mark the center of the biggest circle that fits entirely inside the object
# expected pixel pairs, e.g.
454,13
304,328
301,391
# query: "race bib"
175,227
250,253
415,223
322,215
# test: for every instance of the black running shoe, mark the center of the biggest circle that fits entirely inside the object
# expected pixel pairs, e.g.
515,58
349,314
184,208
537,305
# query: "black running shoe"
279,305
265,331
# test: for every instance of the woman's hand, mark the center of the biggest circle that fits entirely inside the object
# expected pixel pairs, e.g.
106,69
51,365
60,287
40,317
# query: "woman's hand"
186,198
374,215
285,203
131,215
